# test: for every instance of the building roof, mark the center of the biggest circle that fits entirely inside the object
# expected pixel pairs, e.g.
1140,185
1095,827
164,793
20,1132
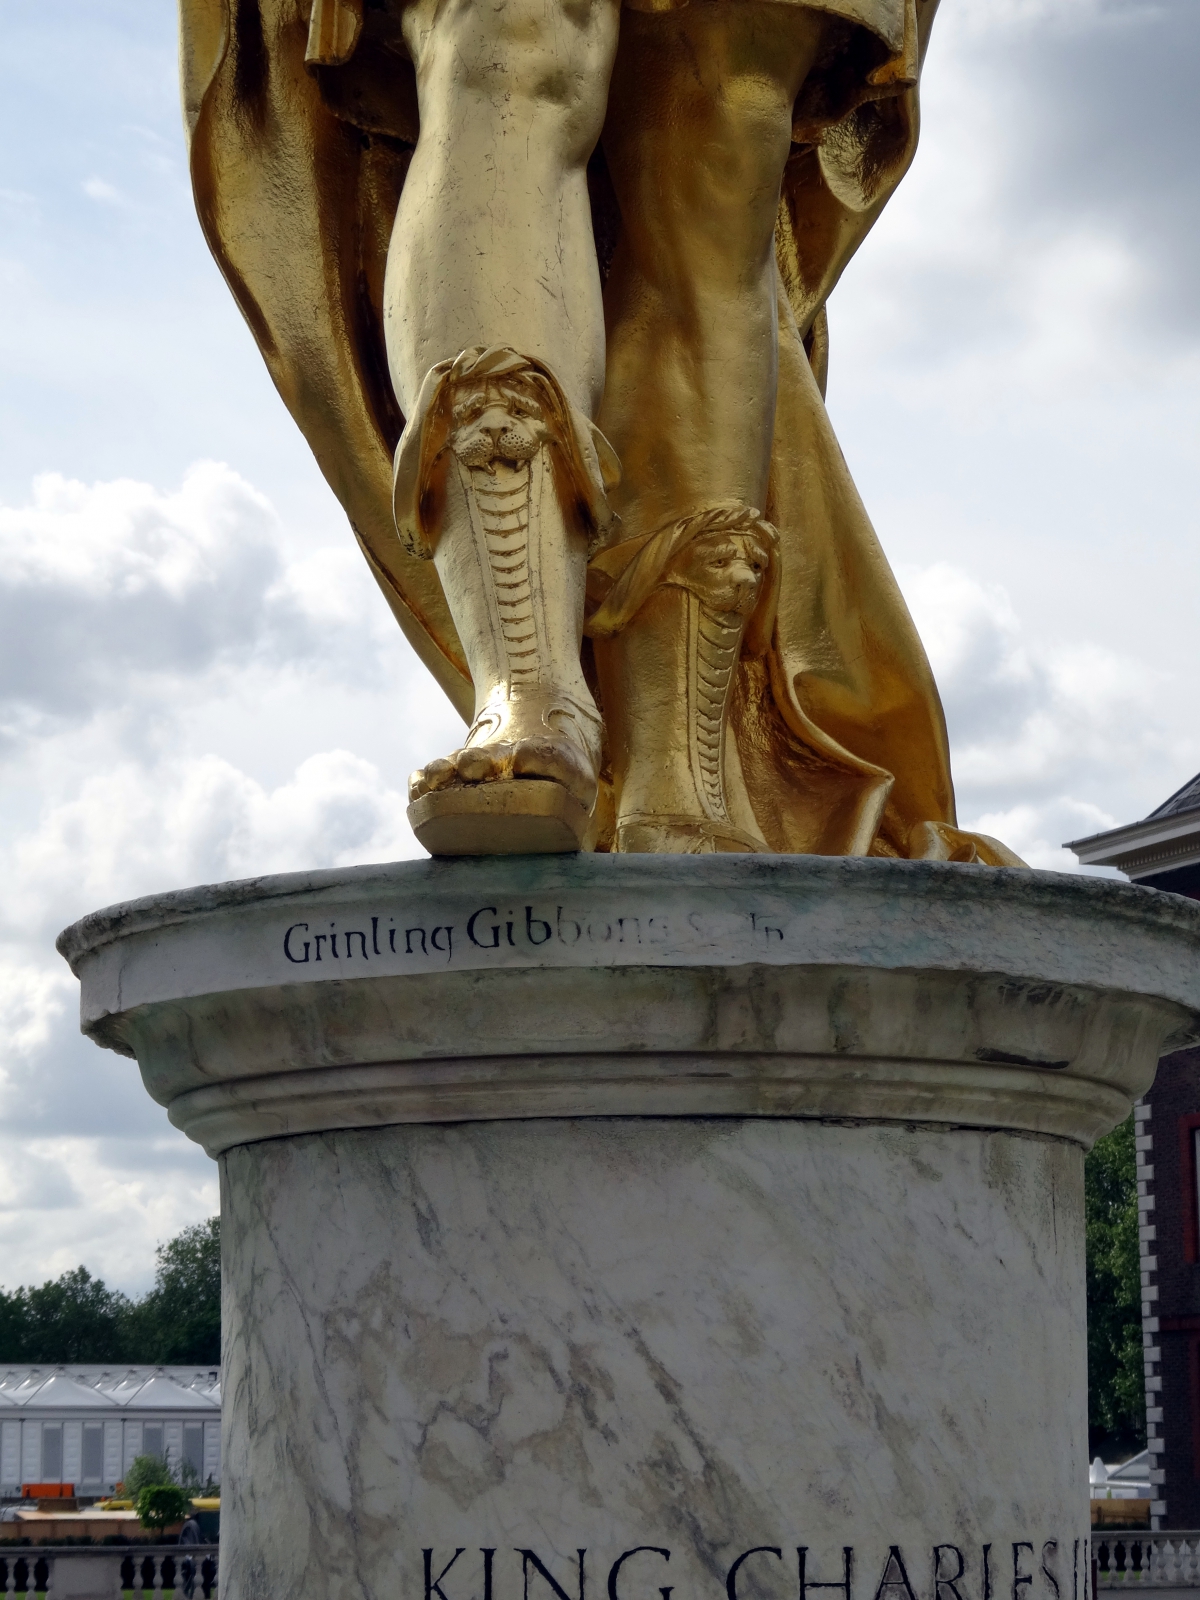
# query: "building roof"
163,1394
1137,1469
1183,800
62,1390
1164,842
111,1389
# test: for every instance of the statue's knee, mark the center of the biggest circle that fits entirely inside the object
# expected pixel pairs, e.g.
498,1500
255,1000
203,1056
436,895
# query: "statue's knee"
555,55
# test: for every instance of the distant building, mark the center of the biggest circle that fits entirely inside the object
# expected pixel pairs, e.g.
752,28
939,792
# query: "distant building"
1124,1480
85,1425
1163,852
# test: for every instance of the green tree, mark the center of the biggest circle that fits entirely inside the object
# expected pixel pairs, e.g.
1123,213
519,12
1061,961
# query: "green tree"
179,1321
14,1326
77,1318
1116,1383
72,1318
146,1472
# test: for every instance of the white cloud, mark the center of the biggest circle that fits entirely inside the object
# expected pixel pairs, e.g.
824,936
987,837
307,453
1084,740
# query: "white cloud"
1038,832
135,830
32,1181
1037,728
104,580
31,1000
119,594
98,189
67,1201
182,694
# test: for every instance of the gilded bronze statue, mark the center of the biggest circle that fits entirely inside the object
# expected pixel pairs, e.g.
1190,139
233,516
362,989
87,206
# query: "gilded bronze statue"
544,282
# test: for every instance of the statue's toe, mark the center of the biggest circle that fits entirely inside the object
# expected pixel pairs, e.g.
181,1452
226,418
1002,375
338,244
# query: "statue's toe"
480,762
560,760
434,775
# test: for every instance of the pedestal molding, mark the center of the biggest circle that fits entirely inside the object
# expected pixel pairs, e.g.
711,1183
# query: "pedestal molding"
320,1100
644,987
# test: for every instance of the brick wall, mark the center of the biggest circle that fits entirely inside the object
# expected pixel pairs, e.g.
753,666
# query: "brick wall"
1168,1119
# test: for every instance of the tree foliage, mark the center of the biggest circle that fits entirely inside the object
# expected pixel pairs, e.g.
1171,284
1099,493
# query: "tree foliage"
146,1472
77,1318
1116,1382
179,1321
161,1504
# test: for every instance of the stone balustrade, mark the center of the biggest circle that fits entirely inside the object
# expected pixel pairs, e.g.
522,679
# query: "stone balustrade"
108,1572
1168,1560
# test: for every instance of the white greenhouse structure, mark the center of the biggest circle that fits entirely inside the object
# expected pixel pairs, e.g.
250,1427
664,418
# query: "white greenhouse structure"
85,1425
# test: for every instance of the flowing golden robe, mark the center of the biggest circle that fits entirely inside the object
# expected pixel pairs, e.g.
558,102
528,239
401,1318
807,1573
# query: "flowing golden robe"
302,119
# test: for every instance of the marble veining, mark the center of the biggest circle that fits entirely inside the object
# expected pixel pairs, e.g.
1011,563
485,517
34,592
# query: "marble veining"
698,1336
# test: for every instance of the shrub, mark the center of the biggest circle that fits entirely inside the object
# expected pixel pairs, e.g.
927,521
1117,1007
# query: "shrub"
161,1504
145,1473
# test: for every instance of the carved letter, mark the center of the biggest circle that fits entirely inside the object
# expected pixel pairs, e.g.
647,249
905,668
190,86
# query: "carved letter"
375,936
449,932
362,939
847,1567
637,928
987,1572
759,1549
653,1549
434,1585
408,933
947,1580
1020,1577
575,940
900,1581
527,1556
1050,1548
299,960
530,921
495,929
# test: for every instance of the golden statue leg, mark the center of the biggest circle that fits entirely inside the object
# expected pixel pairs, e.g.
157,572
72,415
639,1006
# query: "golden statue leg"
493,237
698,131
668,636
512,560
492,253
697,135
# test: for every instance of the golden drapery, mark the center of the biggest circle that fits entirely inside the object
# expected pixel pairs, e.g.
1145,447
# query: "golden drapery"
297,168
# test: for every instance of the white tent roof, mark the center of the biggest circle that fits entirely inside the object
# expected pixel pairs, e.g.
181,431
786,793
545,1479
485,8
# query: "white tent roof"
164,1394
24,1386
96,1388
61,1390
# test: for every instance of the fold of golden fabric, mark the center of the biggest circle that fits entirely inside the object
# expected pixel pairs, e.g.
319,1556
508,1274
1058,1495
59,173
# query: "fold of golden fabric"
302,121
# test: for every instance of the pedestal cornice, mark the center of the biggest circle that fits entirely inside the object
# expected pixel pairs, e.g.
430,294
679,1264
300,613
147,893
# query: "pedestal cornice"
643,986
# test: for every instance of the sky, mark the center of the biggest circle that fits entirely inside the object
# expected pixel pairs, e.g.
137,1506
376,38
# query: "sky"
199,680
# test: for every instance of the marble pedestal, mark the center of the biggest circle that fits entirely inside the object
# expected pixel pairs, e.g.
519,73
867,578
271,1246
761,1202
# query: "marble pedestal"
629,1226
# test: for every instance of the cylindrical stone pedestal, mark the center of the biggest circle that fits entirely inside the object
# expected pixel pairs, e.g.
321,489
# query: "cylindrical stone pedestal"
621,1226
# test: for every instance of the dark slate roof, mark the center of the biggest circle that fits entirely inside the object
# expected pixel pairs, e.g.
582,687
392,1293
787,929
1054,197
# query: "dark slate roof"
1185,799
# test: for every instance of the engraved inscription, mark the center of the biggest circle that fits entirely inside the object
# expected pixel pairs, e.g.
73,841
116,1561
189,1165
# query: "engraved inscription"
530,929
945,1571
